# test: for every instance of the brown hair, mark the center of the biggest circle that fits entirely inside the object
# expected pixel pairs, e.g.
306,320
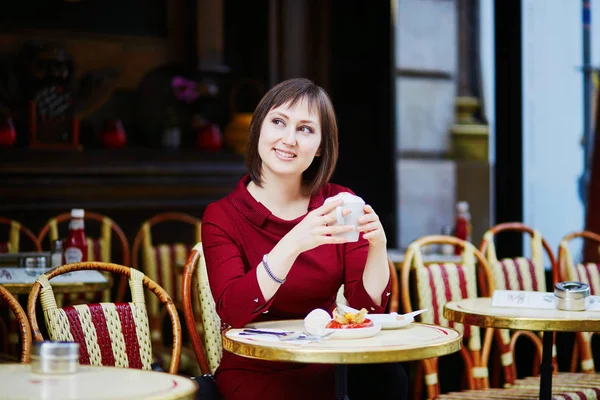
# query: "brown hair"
292,91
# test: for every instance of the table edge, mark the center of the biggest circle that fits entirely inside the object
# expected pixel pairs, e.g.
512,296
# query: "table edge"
314,356
517,323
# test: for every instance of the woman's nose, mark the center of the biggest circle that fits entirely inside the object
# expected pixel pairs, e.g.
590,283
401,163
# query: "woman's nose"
290,138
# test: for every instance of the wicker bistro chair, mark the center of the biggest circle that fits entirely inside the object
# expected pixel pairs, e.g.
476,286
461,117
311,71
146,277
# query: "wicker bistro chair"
205,337
23,323
13,245
431,286
587,272
163,262
518,273
9,325
99,249
109,334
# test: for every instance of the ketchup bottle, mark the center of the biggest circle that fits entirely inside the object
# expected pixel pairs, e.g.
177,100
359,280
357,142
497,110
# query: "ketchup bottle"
462,229
75,245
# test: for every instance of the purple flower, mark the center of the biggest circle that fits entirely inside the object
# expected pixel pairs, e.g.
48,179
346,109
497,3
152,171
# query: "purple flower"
185,90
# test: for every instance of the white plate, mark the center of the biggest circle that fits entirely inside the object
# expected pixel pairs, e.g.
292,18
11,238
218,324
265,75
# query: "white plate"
389,321
356,333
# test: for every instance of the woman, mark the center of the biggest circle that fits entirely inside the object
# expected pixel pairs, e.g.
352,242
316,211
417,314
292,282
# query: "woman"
272,254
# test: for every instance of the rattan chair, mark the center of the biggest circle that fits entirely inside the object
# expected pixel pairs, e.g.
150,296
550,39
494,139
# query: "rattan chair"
430,286
205,337
163,262
9,325
13,245
99,249
23,322
518,273
110,334
587,272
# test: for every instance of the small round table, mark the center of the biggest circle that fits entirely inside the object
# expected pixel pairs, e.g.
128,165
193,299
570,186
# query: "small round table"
18,382
414,342
479,312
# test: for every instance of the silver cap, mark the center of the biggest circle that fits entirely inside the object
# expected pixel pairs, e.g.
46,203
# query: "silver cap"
572,290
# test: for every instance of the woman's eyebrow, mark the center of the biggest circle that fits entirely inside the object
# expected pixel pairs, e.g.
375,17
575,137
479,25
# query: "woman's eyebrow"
284,115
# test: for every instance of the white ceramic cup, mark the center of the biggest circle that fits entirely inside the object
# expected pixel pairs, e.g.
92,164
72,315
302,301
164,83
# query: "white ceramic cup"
357,207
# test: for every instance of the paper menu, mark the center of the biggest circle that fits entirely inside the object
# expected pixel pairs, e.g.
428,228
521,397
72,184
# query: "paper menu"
532,299
523,299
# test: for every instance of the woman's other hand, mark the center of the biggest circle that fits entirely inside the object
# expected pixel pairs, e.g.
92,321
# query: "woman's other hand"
370,225
317,229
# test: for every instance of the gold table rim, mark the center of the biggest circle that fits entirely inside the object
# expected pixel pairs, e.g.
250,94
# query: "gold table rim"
318,356
482,319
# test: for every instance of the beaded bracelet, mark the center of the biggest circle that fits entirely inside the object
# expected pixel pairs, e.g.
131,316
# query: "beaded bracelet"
270,273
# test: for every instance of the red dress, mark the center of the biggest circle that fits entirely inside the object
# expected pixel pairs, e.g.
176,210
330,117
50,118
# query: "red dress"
236,232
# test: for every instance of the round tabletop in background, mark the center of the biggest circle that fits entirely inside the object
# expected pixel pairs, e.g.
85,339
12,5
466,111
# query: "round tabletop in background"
18,382
479,312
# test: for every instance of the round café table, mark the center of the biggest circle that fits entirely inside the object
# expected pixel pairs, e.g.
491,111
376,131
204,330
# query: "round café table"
414,342
479,312
90,383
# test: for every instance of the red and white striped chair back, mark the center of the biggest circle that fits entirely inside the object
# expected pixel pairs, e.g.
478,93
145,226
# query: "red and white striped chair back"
163,263
586,272
436,284
519,273
109,334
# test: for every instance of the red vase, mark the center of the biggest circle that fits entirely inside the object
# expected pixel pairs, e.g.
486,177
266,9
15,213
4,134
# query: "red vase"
113,135
8,135
209,137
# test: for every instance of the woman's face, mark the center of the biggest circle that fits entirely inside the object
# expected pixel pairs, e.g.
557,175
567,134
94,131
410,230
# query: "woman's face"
289,140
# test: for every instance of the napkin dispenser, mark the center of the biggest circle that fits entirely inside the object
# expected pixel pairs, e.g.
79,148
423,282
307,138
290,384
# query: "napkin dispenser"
55,357
571,296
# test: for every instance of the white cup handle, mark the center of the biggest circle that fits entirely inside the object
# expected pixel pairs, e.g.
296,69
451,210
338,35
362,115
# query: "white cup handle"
338,215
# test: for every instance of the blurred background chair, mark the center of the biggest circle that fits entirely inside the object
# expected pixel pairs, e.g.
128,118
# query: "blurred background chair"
14,238
110,334
431,286
23,323
13,242
517,273
164,242
99,230
587,272
100,248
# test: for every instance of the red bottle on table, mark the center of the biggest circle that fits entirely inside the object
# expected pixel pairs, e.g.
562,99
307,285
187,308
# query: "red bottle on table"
75,245
462,229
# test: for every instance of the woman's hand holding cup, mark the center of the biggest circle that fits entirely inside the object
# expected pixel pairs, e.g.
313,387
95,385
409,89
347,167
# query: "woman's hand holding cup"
371,227
319,227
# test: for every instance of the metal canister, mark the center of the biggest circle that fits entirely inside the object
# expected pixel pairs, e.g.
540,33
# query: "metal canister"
55,357
571,296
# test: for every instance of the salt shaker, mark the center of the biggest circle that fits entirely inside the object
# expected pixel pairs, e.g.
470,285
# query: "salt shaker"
446,248
56,254
54,357
571,296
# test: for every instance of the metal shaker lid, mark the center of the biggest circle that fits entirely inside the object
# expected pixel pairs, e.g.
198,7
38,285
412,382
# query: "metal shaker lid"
572,290
56,349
